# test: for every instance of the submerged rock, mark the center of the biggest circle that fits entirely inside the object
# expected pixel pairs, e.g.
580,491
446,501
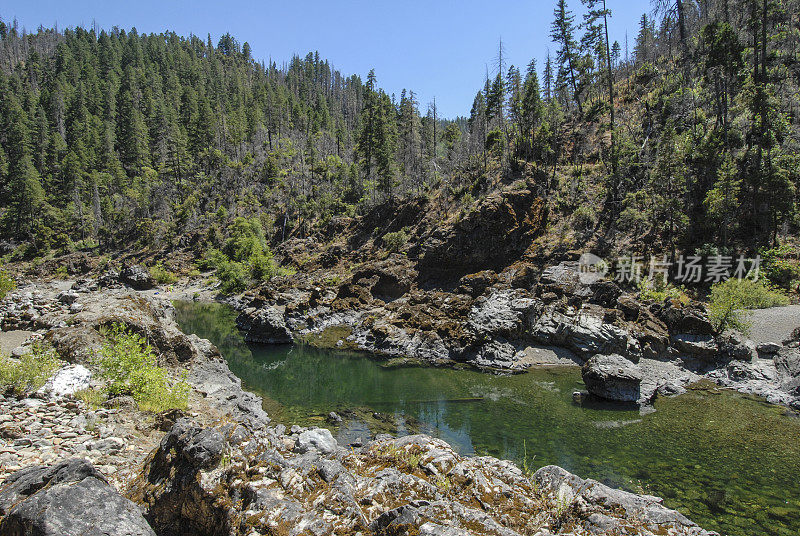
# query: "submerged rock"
612,377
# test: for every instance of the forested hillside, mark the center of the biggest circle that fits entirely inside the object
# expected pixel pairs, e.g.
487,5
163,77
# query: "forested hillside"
684,138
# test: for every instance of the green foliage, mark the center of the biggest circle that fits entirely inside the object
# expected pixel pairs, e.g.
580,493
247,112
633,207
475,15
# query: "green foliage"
161,275
6,284
660,290
730,300
29,372
129,366
781,265
395,241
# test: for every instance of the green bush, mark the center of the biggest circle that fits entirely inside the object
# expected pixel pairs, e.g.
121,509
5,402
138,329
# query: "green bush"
730,300
781,266
395,241
233,277
659,290
246,257
161,275
6,284
30,372
129,366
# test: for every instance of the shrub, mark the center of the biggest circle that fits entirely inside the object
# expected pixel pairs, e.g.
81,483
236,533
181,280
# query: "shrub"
659,290
30,372
161,275
730,300
395,241
129,366
584,219
232,277
781,267
6,284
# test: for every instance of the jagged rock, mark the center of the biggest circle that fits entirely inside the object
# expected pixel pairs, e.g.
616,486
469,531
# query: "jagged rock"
702,346
475,284
564,280
768,348
490,237
612,377
319,439
137,277
735,346
787,364
68,499
67,297
691,318
266,325
605,293
67,381
570,489
584,332
501,313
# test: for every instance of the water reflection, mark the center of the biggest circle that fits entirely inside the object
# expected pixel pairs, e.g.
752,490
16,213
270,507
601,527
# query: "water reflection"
727,461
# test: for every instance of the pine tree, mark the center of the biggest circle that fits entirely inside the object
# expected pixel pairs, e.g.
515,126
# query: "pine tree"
563,33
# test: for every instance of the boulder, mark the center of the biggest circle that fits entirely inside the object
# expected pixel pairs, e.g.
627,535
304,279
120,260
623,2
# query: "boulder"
787,363
137,277
734,345
612,377
768,348
67,381
691,318
266,325
319,439
68,499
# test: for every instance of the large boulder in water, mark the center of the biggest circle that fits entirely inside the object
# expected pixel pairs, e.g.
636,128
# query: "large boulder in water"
68,499
612,377
266,325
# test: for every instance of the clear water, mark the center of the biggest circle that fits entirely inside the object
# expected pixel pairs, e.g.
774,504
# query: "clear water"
729,462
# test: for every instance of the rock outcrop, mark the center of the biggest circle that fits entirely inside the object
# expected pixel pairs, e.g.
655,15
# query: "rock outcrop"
137,277
67,499
271,482
266,325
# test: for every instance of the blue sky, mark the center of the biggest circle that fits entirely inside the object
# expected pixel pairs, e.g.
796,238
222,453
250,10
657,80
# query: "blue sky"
436,48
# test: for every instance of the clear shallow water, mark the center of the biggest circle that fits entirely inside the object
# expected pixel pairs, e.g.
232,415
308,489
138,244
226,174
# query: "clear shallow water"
729,462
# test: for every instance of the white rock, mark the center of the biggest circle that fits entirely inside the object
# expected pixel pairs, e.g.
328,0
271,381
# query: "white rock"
67,381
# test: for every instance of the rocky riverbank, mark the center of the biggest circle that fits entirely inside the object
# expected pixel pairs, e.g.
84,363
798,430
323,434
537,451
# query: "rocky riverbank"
221,467
631,351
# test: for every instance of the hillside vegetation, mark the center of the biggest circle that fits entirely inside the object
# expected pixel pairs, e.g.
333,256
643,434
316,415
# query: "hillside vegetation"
684,140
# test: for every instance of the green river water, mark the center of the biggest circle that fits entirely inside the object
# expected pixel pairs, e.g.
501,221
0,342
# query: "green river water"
729,462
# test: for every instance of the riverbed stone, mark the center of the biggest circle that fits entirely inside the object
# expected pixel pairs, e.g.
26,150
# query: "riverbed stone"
612,377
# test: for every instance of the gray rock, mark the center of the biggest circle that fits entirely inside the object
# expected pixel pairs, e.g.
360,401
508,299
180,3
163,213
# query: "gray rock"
787,364
320,439
702,346
67,297
137,277
612,377
734,345
266,325
585,332
569,489
768,348
69,499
